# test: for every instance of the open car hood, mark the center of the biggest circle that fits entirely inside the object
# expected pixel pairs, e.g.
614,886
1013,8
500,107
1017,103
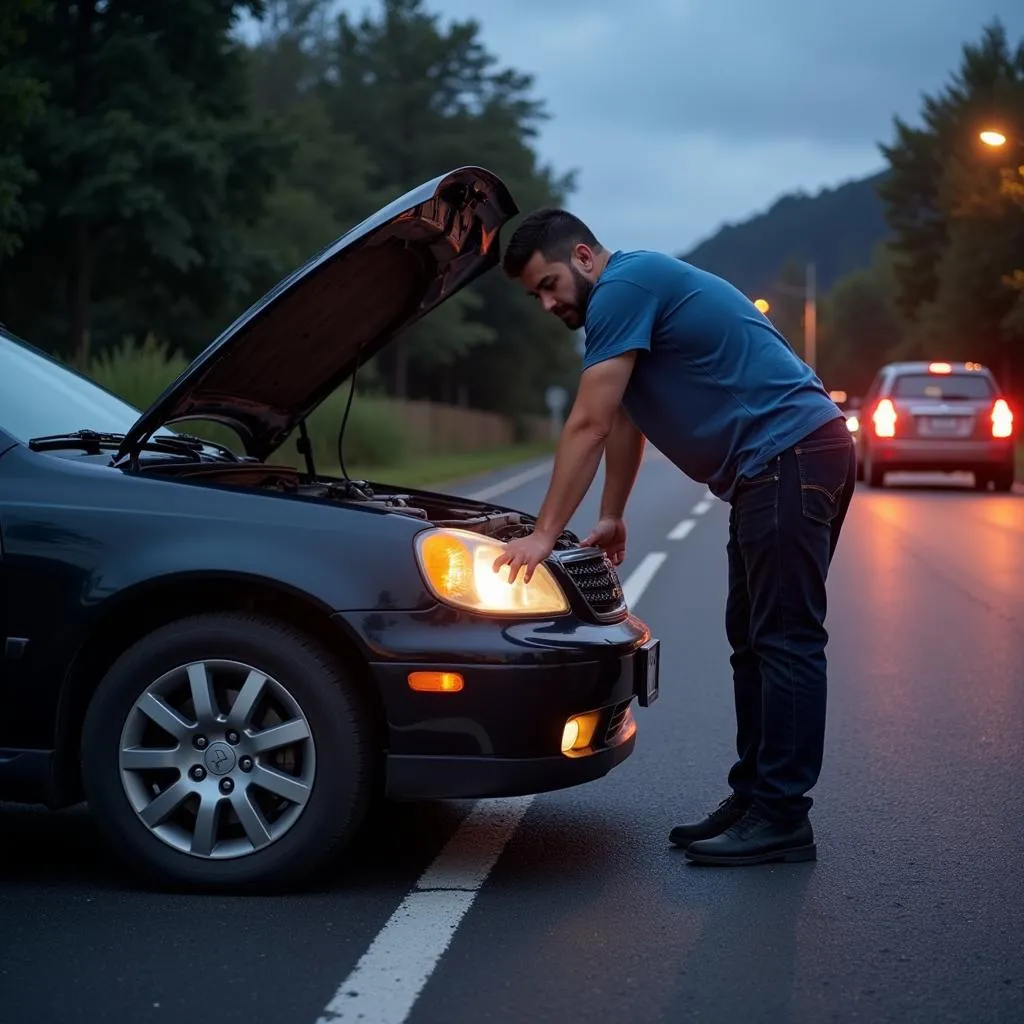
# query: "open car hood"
298,343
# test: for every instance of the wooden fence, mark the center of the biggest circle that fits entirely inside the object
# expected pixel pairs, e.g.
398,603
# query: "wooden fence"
434,427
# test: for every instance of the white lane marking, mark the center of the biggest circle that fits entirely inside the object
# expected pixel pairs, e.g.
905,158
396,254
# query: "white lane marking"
701,507
512,482
386,982
641,576
682,531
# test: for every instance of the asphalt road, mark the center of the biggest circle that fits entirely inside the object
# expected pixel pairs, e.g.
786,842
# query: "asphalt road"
914,911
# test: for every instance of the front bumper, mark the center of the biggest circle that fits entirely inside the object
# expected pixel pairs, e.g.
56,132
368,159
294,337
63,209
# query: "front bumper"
501,734
455,778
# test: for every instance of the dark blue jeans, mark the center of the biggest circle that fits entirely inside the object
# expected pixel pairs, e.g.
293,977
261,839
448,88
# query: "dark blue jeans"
783,528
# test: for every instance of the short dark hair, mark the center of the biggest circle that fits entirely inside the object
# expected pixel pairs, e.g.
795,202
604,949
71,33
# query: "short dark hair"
552,232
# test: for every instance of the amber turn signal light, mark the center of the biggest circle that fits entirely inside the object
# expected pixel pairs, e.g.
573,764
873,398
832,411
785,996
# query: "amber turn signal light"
436,682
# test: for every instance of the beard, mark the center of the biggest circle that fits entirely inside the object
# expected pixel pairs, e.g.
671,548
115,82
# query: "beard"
573,314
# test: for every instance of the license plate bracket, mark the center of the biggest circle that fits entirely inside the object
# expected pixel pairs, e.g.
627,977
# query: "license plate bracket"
947,426
647,673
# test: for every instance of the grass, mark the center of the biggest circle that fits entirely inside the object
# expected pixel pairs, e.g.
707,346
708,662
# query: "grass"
379,443
433,471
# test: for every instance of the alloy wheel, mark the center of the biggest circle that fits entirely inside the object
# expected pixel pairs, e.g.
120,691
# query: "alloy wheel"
217,759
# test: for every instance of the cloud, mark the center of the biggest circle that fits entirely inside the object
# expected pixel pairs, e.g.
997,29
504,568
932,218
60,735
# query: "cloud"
680,115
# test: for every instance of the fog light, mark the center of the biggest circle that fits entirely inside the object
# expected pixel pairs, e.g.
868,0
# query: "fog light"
579,731
435,682
570,734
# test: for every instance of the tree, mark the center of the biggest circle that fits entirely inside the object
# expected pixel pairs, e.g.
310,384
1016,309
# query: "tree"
861,327
180,171
1013,190
424,98
21,103
325,186
957,229
147,167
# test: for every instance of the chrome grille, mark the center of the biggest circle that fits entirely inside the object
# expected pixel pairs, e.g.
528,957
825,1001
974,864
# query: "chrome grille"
596,579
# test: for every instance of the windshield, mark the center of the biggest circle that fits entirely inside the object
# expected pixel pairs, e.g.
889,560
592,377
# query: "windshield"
39,396
947,387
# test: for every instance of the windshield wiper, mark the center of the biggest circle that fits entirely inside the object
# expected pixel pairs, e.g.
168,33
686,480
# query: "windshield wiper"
95,441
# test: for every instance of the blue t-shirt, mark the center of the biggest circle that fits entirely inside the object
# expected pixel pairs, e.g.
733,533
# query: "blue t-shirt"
715,387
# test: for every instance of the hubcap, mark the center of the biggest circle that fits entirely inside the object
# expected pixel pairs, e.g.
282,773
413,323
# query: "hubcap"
217,759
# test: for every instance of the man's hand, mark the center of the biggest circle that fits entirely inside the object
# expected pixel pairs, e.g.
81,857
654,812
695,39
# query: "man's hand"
610,536
526,552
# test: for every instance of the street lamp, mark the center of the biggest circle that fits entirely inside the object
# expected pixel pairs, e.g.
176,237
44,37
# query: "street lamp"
809,293
993,138
996,138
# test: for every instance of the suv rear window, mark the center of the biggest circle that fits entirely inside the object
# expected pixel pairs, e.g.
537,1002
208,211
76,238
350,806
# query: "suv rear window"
944,386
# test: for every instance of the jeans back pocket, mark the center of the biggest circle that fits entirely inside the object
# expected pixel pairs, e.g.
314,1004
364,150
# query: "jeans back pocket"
824,467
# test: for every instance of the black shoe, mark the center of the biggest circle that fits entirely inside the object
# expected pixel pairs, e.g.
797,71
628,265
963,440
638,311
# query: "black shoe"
727,813
754,839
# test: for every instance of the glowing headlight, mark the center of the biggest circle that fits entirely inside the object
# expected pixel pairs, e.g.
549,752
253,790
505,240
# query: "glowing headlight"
458,566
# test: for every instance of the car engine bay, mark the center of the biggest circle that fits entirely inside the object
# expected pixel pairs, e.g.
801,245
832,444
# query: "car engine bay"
438,510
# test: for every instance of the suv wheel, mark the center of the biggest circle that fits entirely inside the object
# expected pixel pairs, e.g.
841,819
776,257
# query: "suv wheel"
873,474
1003,479
227,752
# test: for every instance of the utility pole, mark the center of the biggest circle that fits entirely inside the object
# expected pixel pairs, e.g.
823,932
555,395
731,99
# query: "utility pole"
809,293
810,317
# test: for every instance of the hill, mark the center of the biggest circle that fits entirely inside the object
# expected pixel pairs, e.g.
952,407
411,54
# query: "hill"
838,228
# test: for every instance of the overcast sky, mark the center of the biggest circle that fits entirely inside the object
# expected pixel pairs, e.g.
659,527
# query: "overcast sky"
683,115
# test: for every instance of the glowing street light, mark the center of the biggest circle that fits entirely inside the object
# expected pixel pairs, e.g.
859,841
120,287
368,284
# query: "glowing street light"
992,138
809,293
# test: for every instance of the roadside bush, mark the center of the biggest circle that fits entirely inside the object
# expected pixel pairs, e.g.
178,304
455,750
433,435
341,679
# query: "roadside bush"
374,436
137,373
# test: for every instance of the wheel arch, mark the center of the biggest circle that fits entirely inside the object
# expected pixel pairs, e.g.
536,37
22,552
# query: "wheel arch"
143,608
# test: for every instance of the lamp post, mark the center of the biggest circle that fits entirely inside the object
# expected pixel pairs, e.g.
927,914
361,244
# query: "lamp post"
809,293
996,138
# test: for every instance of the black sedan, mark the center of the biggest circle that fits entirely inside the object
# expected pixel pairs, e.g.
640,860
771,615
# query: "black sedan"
230,658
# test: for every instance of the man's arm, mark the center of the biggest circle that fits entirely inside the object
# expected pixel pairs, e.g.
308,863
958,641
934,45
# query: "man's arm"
588,428
586,431
623,451
620,322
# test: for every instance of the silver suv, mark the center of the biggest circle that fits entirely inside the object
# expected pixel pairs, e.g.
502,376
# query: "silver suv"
936,417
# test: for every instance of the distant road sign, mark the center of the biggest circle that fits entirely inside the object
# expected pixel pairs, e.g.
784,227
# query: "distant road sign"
556,397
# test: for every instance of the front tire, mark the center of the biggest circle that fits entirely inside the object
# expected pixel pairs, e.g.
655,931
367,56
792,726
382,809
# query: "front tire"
227,752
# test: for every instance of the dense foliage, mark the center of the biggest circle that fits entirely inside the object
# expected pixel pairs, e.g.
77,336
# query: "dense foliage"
923,260
163,164
957,216
171,161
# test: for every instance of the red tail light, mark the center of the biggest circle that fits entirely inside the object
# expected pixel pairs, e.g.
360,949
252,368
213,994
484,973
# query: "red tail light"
1002,419
884,418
